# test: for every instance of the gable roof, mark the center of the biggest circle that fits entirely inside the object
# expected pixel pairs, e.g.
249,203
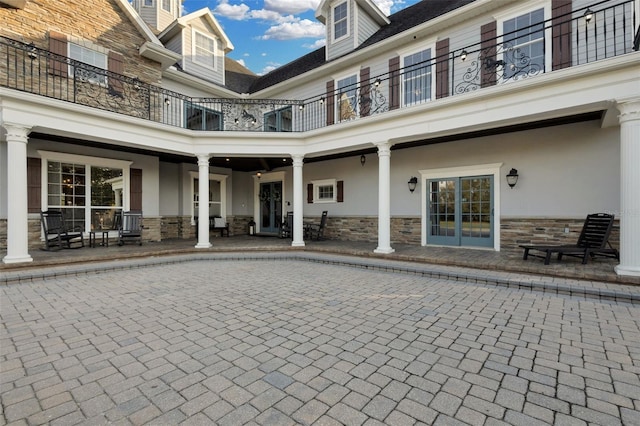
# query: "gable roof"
182,22
399,22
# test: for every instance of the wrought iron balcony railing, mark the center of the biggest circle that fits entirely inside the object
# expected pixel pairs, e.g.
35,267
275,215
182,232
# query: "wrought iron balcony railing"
603,30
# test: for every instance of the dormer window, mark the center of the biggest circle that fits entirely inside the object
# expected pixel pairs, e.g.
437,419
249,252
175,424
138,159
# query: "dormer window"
204,48
340,21
166,5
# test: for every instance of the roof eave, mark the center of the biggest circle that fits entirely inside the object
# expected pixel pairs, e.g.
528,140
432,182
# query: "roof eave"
160,54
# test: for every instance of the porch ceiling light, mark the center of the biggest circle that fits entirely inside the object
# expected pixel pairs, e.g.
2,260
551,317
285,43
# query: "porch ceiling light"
413,182
512,178
588,15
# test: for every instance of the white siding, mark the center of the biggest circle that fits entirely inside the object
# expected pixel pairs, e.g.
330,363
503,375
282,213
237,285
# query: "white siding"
366,26
193,68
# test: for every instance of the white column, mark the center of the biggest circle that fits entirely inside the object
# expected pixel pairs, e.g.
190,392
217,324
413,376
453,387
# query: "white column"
384,198
17,208
629,188
298,203
203,201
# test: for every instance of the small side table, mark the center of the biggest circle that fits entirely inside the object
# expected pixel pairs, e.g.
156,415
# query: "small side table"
105,238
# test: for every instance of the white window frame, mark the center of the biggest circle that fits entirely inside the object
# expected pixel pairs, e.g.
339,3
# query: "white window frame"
403,55
147,3
337,103
194,49
464,171
223,194
333,22
164,3
94,50
515,12
47,156
316,191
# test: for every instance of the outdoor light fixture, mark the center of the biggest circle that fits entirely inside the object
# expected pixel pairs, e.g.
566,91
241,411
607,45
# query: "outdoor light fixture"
363,159
377,82
412,183
301,107
463,55
167,102
512,178
32,51
258,175
321,101
588,15
492,63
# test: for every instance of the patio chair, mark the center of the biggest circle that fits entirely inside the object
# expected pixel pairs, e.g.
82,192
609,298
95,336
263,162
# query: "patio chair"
130,227
56,234
315,230
593,241
286,229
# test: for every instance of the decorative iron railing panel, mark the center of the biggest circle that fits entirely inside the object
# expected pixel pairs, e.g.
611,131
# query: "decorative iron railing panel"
603,30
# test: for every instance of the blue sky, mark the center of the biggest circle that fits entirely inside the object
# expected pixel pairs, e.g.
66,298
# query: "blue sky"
269,33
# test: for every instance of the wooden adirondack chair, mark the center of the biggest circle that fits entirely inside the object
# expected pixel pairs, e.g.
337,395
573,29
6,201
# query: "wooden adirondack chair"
593,241
130,227
315,230
56,233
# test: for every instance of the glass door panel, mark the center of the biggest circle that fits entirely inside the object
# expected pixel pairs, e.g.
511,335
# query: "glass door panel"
460,211
476,210
442,221
270,207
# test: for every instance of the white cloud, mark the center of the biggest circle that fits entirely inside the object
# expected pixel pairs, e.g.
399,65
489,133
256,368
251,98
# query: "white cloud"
291,6
245,55
237,12
263,54
317,45
385,5
293,30
269,15
269,67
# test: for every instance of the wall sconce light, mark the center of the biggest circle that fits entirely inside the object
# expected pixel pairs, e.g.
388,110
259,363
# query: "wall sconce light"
32,53
492,63
588,15
167,102
301,107
363,160
377,82
512,178
258,175
463,55
413,182
321,101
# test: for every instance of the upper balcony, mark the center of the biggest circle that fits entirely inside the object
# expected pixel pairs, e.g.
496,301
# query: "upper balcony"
583,36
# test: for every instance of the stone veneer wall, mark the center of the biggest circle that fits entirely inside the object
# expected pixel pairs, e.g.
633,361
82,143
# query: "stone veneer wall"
545,232
405,230
3,234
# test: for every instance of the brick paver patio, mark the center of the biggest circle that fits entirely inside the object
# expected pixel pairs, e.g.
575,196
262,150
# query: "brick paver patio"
292,342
